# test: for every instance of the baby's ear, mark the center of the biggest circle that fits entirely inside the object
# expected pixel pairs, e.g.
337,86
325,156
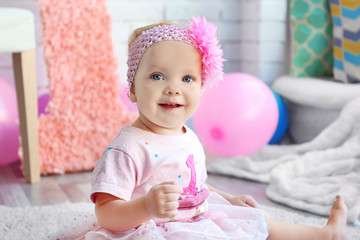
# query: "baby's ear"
132,95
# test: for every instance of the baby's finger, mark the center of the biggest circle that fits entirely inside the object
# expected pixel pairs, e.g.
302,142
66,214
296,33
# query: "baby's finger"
171,197
168,210
242,204
172,189
168,183
171,214
170,206
251,202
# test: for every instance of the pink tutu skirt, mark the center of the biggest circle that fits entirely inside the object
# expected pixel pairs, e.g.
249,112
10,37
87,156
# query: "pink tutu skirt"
221,221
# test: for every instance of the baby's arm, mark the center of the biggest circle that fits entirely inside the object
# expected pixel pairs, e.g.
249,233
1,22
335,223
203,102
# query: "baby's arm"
118,215
242,200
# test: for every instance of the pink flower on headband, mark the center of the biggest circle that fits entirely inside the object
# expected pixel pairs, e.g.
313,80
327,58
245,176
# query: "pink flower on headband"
204,35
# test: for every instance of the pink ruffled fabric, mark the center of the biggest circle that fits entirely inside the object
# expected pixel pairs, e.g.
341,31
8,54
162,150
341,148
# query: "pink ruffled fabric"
221,221
85,108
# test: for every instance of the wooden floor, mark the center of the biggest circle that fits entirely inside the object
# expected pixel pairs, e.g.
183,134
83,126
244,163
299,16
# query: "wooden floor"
50,190
76,188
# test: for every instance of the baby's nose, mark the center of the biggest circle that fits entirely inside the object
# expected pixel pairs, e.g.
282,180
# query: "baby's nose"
173,92
173,89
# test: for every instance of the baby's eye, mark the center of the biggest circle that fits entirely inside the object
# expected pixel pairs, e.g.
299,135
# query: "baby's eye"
156,77
188,79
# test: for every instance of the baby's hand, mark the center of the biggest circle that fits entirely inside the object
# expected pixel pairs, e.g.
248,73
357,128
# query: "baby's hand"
243,201
162,200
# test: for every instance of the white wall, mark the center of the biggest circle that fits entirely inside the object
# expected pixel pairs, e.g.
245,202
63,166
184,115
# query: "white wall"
251,32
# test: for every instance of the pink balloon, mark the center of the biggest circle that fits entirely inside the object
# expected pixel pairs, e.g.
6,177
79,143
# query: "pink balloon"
9,128
130,106
237,117
43,101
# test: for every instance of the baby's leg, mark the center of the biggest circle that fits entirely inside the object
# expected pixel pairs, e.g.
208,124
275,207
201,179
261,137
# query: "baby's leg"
334,229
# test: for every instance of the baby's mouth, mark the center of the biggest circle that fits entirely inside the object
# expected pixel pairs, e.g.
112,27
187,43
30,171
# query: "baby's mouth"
170,105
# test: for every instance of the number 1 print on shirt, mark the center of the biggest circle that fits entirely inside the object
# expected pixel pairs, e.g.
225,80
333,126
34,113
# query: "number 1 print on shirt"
191,189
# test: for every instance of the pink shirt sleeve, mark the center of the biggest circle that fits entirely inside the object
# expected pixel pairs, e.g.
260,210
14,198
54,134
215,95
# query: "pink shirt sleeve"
115,174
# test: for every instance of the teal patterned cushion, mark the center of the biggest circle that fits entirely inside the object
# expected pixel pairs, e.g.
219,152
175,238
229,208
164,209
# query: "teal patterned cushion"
346,29
311,43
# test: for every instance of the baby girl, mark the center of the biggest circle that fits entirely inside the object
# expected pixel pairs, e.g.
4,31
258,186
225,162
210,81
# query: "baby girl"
150,182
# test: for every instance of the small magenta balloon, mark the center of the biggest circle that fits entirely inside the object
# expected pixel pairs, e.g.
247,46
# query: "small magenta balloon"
283,122
237,117
9,127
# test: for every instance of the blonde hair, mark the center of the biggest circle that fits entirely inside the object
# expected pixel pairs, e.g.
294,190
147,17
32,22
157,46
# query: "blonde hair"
137,32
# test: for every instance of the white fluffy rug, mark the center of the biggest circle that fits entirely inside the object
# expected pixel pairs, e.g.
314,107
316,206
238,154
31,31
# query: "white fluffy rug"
73,220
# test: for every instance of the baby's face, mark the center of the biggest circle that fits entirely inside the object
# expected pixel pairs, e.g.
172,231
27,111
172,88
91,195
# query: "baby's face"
167,86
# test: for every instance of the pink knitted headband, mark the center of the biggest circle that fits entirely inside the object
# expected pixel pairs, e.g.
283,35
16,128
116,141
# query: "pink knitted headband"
202,35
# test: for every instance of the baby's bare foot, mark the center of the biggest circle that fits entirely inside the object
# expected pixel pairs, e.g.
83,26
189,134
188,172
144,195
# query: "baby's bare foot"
337,220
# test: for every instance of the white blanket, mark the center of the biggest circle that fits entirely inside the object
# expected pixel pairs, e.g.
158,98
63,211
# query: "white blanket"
308,176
